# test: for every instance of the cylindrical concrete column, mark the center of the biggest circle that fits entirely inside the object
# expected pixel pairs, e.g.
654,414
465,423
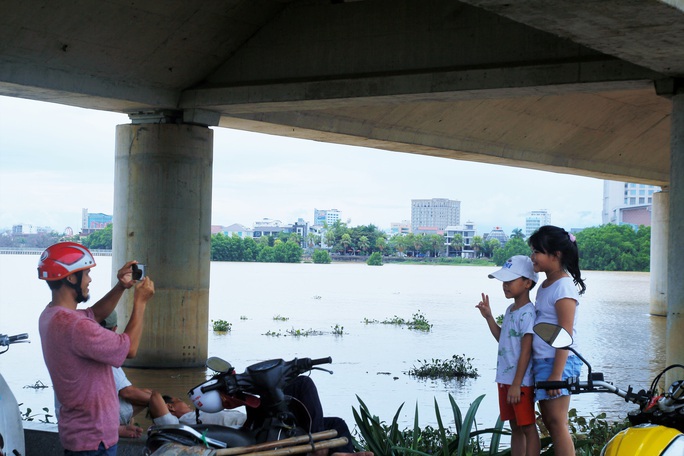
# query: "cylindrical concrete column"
660,227
162,218
675,262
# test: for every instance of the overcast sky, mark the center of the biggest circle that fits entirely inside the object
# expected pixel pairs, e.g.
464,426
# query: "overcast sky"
56,160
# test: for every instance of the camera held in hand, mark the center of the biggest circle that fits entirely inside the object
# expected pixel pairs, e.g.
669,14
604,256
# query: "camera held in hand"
138,271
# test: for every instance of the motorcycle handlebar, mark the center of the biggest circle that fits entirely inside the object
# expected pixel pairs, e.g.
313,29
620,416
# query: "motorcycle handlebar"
7,340
576,386
552,385
317,361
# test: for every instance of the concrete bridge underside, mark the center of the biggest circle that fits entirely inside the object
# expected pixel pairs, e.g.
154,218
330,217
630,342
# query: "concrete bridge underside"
587,88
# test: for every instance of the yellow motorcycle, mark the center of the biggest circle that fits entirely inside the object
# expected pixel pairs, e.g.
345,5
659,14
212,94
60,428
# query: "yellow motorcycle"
658,423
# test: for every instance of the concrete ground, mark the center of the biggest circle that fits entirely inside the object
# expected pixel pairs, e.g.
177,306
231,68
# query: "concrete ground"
42,440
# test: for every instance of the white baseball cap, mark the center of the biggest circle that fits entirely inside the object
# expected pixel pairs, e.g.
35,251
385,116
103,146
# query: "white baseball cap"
515,267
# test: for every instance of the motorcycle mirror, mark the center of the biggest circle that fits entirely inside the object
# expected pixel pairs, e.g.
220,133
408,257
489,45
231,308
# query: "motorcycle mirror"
554,335
218,365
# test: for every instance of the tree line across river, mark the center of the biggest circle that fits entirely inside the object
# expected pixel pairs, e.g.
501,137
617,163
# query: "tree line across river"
606,247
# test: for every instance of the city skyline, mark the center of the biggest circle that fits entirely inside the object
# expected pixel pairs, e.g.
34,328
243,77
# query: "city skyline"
56,160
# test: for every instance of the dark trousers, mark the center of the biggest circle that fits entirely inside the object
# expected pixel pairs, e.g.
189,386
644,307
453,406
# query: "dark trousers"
304,392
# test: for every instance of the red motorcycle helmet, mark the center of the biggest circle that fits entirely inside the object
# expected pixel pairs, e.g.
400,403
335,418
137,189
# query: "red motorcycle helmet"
64,258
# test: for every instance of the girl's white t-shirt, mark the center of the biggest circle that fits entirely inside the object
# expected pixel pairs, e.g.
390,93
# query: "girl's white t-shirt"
545,306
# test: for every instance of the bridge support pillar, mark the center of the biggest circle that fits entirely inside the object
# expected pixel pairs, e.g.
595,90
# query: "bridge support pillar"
675,262
660,227
162,218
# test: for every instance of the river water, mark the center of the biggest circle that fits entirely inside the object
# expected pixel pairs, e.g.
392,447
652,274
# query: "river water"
617,335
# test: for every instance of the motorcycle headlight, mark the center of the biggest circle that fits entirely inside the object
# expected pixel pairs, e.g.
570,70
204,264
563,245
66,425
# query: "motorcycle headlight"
676,447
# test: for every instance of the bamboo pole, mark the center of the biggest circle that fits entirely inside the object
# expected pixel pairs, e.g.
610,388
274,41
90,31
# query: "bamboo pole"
280,443
308,448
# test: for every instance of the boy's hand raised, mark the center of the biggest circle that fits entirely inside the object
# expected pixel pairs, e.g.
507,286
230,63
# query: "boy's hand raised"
484,308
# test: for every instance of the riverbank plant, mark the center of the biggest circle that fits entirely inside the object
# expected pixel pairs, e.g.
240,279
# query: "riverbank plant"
457,367
375,259
464,439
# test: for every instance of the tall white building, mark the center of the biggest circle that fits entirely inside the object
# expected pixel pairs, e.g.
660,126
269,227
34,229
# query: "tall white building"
436,212
627,203
535,220
326,217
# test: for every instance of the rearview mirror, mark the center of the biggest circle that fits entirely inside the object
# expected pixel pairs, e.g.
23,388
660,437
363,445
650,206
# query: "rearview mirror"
554,335
218,365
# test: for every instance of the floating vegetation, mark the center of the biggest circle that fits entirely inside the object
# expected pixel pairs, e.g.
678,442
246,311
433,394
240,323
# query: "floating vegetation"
294,333
317,297
29,416
338,330
303,332
456,367
37,385
221,325
280,318
418,322
243,317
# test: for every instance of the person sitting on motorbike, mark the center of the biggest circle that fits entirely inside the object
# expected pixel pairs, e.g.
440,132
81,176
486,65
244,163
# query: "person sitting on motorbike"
169,410
173,410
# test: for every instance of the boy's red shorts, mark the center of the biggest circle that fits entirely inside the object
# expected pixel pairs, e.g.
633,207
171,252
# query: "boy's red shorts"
522,412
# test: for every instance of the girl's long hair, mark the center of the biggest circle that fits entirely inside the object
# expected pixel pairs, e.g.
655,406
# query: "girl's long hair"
551,239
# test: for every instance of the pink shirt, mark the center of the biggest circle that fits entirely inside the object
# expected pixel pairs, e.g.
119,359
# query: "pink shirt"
79,354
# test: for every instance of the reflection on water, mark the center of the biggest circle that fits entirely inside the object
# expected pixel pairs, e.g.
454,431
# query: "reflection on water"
617,335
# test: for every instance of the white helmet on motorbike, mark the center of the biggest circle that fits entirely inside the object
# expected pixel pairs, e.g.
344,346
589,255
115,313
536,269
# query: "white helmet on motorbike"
207,401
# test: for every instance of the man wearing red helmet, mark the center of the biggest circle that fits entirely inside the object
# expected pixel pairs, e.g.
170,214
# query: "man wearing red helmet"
79,352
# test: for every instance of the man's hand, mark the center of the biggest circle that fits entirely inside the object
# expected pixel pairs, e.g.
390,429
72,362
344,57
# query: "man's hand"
144,290
125,275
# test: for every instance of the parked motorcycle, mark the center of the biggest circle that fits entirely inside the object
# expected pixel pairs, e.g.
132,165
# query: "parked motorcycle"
658,423
11,429
272,416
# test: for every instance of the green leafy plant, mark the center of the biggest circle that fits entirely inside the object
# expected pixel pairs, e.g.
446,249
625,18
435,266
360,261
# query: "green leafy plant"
221,325
243,317
456,367
499,320
591,435
273,333
465,439
338,330
280,318
375,259
321,257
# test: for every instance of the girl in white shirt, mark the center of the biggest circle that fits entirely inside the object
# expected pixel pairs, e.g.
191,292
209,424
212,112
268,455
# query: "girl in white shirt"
555,253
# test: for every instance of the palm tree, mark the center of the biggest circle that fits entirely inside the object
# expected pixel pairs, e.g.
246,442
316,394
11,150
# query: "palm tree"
517,234
457,242
346,241
477,243
363,244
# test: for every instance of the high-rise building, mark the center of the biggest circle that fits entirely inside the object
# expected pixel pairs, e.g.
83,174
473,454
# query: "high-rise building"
326,217
435,212
535,220
627,203
91,222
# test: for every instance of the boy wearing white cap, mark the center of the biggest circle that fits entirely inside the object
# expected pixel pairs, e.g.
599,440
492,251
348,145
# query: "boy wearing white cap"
513,366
